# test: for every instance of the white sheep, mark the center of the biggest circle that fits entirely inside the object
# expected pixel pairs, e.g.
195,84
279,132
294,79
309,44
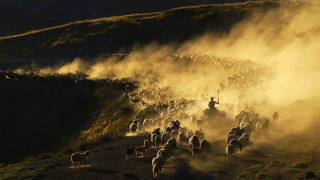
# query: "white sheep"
78,157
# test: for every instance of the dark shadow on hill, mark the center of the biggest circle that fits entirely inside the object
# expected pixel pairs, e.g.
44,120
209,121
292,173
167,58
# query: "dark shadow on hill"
183,170
44,114
101,171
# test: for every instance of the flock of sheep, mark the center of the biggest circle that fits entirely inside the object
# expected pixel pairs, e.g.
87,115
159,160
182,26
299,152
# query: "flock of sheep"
169,133
239,137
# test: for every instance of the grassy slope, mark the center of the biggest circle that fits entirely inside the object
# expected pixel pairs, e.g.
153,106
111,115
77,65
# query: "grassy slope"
26,15
44,116
91,37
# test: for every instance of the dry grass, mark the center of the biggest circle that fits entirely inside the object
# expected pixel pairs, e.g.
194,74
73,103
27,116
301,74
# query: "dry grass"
92,37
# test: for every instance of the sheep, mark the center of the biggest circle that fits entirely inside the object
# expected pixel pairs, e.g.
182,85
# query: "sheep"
236,144
231,137
174,133
175,125
133,126
156,131
205,147
153,136
247,128
184,130
167,129
159,161
182,138
146,123
199,123
140,126
78,157
140,150
190,134
147,143
173,143
194,142
230,150
193,119
158,107
168,149
157,141
164,152
259,126
130,152
200,134
244,141
155,170
165,137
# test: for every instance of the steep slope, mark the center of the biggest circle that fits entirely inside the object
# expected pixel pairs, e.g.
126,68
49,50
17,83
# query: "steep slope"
18,16
107,35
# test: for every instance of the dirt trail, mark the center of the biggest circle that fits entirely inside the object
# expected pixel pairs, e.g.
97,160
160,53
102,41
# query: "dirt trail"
108,162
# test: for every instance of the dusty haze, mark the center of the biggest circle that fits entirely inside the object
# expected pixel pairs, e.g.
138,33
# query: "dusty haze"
279,50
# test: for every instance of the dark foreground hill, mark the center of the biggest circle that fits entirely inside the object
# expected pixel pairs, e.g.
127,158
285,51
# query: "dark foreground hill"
45,114
107,35
18,16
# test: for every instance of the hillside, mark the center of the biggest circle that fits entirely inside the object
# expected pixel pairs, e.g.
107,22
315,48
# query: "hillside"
107,35
26,15
45,114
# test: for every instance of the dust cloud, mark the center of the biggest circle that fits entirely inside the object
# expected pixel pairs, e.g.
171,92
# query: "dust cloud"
269,62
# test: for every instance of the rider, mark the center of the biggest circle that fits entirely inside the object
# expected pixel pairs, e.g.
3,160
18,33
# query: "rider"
212,104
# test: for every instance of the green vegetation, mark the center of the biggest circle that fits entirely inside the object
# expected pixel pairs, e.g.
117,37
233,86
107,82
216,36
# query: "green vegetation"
25,171
106,35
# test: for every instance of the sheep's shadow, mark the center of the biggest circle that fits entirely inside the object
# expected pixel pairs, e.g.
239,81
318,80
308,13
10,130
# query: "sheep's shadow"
144,160
130,176
102,171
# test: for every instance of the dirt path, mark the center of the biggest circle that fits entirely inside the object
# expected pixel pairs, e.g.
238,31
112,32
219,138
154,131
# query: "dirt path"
108,162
